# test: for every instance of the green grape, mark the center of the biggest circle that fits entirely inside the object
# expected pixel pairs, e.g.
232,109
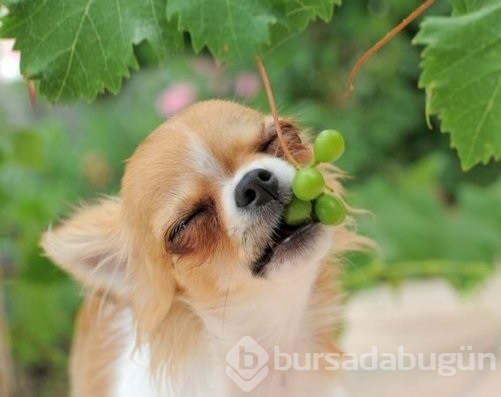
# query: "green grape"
329,210
308,184
328,146
297,212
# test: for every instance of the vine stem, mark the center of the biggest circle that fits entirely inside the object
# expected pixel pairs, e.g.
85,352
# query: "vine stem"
382,42
32,94
274,112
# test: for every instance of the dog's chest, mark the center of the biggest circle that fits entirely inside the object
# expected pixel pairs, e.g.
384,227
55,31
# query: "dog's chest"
132,375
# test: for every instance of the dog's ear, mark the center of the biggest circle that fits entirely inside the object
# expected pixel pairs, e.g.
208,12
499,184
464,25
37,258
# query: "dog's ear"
91,246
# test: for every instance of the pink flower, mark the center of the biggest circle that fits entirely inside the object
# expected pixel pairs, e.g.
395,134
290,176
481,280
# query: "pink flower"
247,85
175,98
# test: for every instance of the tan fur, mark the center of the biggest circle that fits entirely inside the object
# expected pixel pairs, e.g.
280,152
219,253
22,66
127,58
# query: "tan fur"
120,249
96,343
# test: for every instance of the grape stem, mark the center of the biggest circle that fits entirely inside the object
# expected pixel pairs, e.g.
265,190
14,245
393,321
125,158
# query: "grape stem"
274,112
32,94
382,42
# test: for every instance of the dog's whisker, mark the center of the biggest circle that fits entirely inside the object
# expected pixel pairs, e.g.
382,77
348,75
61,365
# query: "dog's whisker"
224,308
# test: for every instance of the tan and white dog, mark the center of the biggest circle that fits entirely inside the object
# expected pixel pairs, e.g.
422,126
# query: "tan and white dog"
193,256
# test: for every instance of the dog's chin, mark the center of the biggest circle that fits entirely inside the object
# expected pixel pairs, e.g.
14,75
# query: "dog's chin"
286,244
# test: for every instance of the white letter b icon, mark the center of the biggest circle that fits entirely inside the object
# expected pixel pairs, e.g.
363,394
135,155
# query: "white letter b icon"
247,364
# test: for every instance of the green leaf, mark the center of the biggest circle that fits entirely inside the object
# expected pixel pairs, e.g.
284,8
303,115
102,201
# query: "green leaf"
462,77
235,29
150,23
229,28
294,16
465,6
80,48
299,13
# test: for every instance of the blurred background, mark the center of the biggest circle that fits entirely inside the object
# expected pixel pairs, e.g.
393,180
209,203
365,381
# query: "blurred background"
438,229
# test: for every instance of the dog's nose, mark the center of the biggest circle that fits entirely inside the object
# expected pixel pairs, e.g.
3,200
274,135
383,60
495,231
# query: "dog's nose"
256,188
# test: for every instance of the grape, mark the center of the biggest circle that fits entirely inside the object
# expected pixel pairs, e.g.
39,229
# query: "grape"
328,146
329,210
297,212
308,184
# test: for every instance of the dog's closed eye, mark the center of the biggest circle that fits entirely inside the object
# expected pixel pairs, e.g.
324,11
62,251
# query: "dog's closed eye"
271,145
266,146
185,221
183,236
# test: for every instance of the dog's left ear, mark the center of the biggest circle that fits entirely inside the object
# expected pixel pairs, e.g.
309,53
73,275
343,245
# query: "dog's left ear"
91,246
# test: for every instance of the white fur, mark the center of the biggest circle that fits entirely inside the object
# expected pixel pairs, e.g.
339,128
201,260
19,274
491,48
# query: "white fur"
205,163
206,378
133,376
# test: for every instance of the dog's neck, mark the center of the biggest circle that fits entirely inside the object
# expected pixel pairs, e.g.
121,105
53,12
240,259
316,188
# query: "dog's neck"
274,317
291,318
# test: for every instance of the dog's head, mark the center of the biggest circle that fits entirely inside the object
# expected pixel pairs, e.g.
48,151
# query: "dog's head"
200,214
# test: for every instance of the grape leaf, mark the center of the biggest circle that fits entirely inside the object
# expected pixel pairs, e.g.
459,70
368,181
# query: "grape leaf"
462,78
235,29
299,14
80,48
461,7
294,16
229,28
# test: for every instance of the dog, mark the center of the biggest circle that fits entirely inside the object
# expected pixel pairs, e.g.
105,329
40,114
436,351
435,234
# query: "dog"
193,259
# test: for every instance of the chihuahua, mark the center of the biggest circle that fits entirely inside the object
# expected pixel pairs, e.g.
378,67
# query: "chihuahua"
193,278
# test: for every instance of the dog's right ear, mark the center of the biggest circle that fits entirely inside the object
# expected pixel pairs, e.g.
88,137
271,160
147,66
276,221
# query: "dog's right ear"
91,246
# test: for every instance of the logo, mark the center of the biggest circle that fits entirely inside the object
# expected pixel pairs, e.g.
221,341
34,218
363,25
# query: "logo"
247,364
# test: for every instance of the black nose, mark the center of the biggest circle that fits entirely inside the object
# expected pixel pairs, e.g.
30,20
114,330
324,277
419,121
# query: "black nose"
257,187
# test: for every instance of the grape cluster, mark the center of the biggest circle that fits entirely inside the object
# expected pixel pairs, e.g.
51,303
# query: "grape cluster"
308,185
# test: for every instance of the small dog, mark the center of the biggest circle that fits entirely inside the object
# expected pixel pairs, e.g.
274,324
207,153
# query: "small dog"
193,256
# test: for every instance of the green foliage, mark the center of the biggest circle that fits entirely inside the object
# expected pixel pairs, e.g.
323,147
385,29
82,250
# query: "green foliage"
90,50
462,78
422,234
239,29
81,48
228,28
92,47
465,6
78,49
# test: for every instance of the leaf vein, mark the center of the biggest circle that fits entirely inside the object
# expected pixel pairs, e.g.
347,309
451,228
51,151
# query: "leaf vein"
469,54
232,27
73,45
100,44
453,92
488,108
